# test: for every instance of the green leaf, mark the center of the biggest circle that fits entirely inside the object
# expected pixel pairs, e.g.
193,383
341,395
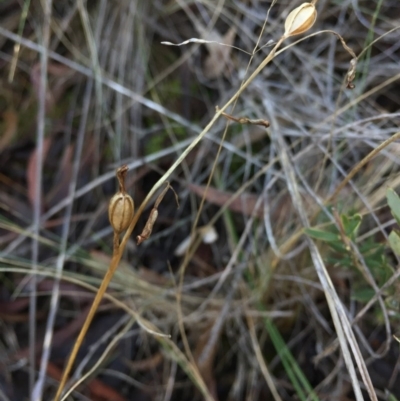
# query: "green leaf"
322,235
394,241
363,294
339,247
299,380
394,203
390,396
351,224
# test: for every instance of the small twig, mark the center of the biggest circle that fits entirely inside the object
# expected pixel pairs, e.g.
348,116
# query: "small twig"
244,120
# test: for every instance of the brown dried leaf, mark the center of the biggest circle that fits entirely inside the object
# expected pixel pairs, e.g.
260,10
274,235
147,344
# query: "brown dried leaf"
60,336
78,295
244,203
205,358
152,277
217,60
10,119
14,306
31,170
98,389
146,364
60,190
63,78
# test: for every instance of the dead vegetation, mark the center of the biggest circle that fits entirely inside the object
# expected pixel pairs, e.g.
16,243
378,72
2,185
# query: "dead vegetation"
274,278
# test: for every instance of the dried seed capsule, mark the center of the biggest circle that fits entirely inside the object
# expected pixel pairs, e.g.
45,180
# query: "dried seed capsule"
120,211
300,20
121,207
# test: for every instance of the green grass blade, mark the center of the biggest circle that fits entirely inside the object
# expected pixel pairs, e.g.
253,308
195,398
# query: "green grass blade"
300,383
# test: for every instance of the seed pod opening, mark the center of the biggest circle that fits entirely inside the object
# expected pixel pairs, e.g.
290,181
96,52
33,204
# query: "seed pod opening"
120,211
300,20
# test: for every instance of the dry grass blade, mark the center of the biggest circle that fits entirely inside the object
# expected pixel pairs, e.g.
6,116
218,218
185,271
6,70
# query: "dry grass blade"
37,207
343,327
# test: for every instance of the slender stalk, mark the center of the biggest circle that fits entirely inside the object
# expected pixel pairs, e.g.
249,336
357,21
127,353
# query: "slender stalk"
96,302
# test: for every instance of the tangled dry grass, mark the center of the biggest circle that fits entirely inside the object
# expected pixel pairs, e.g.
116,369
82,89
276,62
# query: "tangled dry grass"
264,308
